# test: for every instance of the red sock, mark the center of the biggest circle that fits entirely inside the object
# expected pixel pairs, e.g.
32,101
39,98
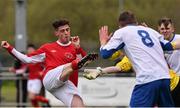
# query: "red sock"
41,99
74,64
34,103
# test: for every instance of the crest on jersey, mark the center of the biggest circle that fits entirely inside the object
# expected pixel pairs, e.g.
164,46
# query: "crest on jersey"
68,55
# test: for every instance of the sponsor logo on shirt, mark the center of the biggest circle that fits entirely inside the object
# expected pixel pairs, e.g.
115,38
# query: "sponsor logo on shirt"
53,51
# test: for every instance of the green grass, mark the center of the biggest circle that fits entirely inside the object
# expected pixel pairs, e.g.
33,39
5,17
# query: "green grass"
8,91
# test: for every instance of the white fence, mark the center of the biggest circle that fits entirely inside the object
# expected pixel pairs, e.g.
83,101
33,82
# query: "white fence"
109,91
104,91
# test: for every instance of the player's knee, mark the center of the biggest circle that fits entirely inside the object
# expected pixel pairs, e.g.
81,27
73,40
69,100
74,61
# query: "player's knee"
31,96
77,101
65,74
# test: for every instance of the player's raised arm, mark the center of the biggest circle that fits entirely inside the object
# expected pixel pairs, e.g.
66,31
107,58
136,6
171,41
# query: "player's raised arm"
76,42
6,45
22,57
103,35
109,44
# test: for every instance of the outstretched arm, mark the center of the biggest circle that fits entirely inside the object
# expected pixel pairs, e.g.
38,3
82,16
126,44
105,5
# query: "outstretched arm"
123,66
6,45
20,56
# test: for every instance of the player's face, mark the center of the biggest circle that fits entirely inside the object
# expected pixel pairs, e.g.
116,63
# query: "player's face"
30,50
166,31
63,34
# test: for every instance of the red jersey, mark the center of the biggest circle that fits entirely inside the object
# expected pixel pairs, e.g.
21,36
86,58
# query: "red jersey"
53,55
34,70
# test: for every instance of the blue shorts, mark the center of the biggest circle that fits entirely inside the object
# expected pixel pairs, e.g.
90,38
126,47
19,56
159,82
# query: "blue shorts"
156,93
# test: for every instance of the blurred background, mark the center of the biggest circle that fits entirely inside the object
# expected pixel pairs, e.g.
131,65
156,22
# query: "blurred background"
85,16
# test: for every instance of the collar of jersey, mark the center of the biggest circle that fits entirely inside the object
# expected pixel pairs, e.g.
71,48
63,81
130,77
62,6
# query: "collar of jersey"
63,44
172,38
132,25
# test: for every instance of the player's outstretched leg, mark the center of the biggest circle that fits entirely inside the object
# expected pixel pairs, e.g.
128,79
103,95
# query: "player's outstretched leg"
87,59
76,64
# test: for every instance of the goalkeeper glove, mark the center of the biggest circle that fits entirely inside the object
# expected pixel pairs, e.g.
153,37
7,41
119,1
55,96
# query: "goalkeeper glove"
92,74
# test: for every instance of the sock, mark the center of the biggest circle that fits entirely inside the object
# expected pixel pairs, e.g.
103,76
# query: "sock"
34,103
41,99
74,64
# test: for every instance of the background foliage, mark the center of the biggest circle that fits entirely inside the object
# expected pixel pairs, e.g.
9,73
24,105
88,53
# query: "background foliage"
86,16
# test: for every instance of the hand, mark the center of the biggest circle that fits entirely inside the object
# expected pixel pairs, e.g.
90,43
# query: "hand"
91,74
5,44
76,41
103,35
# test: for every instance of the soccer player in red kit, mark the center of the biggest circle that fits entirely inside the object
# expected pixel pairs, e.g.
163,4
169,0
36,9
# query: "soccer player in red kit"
60,59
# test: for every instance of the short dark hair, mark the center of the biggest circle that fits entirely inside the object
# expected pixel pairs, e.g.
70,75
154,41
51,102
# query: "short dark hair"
165,20
59,23
127,17
31,46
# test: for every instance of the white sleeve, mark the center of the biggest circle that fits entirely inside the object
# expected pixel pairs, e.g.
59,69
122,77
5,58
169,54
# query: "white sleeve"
115,42
25,59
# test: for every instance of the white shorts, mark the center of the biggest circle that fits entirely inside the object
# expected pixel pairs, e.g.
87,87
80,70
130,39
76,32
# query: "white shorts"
34,86
63,91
